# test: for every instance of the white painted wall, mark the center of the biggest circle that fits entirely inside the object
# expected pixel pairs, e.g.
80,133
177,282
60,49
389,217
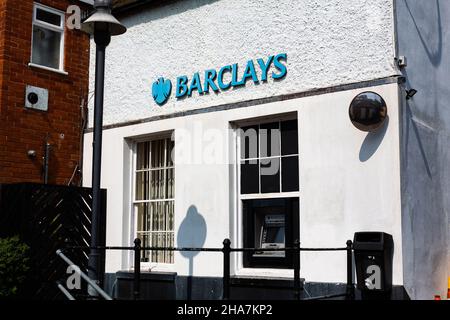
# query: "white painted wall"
327,42
342,189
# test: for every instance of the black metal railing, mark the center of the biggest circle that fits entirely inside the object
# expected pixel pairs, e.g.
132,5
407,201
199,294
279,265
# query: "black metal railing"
227,250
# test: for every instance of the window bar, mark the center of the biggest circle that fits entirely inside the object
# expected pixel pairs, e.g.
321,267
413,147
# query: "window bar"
160,254
161,222
158,227
145,196
165,229
165,196
279,134
150,196
259,157
164,170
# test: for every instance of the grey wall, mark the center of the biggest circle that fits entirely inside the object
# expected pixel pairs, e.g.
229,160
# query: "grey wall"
423,32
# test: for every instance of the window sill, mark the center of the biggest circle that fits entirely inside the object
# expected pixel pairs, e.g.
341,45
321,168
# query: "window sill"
152,267
158,276
33,65
265,273
278,195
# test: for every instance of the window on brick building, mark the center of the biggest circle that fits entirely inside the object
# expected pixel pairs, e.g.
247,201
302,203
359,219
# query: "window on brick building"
48,37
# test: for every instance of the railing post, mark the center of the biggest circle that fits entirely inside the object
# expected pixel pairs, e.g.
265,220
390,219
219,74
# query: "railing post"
137,268
226,268
350,287
296,257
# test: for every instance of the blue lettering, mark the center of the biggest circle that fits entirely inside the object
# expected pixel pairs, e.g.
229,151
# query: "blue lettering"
250,72
222,85
181,86
195,84
210,77
280,66
234,74
215,80
265,67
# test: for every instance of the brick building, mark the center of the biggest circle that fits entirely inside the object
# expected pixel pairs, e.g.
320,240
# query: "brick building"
41,56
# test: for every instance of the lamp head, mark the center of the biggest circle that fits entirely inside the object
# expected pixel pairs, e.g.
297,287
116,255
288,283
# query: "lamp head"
103,17
102,3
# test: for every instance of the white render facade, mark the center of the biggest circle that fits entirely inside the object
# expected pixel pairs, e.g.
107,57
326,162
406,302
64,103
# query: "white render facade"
326,42
349,180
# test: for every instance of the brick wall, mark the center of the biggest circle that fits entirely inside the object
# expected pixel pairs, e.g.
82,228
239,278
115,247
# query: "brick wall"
22,129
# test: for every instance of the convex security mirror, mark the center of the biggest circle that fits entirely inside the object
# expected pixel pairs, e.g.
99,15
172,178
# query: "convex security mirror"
368,111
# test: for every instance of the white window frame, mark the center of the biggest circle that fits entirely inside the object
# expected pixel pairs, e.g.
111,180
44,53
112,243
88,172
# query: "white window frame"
147,266
60,29
240,270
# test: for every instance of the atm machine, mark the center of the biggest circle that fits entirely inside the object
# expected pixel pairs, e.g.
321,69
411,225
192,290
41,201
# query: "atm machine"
270,224
271,236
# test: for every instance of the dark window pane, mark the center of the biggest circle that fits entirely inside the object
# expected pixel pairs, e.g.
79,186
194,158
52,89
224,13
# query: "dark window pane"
48,17
289,137
289,174
270,175
249,177
270,139
46,47
249,142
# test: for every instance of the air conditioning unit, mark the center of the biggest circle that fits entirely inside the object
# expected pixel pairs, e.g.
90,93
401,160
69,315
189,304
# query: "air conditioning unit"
36,98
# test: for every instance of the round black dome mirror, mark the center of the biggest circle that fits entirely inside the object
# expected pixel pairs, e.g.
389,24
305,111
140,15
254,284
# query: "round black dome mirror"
368,111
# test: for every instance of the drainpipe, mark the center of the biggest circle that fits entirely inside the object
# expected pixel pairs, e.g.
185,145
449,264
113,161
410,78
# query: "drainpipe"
46,160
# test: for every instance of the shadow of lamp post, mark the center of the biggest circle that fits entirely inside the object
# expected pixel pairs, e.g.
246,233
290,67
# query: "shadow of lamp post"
102,25
191,234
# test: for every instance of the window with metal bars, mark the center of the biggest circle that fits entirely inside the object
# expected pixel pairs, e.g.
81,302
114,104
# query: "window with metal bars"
154,194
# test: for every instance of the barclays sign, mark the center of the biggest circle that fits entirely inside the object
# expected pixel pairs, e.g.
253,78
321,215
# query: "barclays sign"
221,80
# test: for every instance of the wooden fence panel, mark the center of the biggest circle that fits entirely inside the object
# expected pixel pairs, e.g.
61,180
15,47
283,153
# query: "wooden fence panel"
48,218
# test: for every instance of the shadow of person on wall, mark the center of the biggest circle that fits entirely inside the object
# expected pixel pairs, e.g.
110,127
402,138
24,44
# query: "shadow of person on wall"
191,234
372,142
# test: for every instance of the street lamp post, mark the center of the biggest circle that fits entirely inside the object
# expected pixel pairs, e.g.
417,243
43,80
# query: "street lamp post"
102,25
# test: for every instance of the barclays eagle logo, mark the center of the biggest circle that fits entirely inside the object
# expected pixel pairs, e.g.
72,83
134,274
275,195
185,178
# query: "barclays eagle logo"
161,90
